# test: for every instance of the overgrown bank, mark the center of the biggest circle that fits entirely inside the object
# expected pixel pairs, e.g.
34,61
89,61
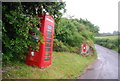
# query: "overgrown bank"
19,18
65,66
70,33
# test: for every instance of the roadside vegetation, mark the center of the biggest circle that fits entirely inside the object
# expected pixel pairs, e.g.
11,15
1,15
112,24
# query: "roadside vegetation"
70,33
65,66
112,42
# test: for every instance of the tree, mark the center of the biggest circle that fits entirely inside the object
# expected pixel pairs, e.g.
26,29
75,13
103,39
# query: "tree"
71,33
90,26
116,33
18,19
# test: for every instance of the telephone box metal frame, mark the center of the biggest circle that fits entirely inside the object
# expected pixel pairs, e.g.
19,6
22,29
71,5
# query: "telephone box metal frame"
43,57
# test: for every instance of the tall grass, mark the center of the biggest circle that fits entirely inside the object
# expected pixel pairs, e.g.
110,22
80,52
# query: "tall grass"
65,65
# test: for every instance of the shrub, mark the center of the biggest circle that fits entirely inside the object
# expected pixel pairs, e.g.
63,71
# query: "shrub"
109,43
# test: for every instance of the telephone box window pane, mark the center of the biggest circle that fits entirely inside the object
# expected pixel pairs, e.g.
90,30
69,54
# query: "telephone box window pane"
48,40
49,36
47,49
47,58
47,45
47,54
49,31
35,37
49,27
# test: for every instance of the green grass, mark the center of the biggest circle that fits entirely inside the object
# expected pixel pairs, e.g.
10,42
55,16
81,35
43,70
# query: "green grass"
107,37
65,66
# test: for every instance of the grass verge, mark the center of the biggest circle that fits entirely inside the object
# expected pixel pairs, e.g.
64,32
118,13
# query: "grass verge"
65,66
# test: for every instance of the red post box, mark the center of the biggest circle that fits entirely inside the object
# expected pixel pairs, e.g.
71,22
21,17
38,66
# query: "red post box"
43,57
84,47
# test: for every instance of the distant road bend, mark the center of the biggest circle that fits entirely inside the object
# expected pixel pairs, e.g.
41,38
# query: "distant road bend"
105,67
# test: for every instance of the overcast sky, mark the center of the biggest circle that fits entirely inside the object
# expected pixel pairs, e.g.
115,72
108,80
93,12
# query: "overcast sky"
103,13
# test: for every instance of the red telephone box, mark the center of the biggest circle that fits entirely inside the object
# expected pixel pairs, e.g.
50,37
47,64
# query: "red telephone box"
43,57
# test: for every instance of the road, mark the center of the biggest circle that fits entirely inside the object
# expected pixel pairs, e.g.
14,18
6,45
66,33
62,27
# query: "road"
105,67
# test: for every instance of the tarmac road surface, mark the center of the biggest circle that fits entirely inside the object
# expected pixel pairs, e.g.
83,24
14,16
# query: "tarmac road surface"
105,67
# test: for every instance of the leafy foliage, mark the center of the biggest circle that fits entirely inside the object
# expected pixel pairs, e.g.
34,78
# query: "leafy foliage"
72,33
90,26
109,42
18,19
